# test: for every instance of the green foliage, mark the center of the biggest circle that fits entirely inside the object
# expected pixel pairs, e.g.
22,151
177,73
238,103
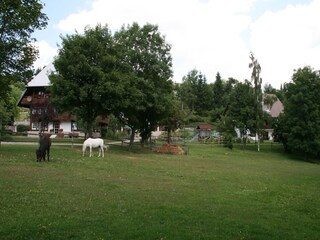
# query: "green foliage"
211,193
86,82
242,107
221,97
299,128
228,141
146,59
268,89
218,92
8,104
175,118
128,73
195,92
18,20
22,128
255,78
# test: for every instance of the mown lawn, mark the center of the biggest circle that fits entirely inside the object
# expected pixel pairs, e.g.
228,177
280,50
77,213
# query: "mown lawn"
211,193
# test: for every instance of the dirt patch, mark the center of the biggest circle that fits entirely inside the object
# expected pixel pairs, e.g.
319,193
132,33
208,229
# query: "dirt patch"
170,148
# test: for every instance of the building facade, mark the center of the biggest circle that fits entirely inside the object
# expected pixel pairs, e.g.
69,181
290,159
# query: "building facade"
43,116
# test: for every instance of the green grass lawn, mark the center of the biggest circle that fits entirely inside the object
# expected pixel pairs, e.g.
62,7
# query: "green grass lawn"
211,193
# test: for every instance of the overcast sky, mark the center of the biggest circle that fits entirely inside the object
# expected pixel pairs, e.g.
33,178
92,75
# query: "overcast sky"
208,35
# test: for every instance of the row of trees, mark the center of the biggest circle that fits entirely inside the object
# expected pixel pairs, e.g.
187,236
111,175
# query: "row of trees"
128,74
230,103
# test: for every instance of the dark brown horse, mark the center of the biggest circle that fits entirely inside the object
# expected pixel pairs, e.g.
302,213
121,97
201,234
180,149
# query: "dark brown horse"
44,147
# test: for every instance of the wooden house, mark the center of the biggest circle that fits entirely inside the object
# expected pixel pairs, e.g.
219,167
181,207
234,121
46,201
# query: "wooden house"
204,131
43,116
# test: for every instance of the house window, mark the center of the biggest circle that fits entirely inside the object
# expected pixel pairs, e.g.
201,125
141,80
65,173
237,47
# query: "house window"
56,127
38,125
74,126
35,126
40,94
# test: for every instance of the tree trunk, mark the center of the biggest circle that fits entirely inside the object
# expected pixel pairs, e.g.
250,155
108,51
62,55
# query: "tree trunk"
0,131
131,138
88,130
169,137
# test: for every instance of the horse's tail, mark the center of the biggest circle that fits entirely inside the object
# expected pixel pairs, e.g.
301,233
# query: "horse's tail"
84,146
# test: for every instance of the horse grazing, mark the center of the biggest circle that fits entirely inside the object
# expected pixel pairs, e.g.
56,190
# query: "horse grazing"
93,143
44,147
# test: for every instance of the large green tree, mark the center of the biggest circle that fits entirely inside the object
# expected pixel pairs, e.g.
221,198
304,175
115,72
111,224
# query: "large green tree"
86,83
145,58
300,125
239,113
18,20
128,74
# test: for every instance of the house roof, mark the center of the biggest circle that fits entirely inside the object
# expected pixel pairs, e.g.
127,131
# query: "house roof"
42,78
204,126
276,108
37,83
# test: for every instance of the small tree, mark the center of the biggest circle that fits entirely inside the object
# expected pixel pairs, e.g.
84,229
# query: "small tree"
174,119
42,113
255,78
242,108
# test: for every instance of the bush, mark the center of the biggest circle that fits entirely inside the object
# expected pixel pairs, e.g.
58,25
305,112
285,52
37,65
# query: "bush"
6,136
22,128
228,141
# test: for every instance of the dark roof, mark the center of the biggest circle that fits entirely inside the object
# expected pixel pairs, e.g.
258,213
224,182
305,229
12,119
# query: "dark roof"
204,126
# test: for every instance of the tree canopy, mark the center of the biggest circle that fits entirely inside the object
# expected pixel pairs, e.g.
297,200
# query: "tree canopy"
18,20
86,78
145,57
195,92
299,127
129,73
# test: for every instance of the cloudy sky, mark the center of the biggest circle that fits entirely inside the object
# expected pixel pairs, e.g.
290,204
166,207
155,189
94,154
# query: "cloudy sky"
208,35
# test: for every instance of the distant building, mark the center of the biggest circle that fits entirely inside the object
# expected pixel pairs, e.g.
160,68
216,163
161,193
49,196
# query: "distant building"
274,108
42,115
204,131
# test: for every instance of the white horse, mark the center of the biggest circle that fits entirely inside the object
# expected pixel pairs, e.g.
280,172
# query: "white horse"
93,143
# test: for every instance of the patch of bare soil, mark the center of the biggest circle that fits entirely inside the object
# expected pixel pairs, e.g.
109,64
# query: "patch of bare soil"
170,148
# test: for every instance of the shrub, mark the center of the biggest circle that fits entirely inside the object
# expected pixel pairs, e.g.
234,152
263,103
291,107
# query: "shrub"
22,128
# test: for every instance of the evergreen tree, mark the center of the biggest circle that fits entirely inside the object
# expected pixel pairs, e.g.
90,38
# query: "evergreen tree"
218,92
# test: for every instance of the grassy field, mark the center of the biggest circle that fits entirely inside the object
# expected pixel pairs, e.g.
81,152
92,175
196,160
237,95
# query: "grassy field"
211,193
